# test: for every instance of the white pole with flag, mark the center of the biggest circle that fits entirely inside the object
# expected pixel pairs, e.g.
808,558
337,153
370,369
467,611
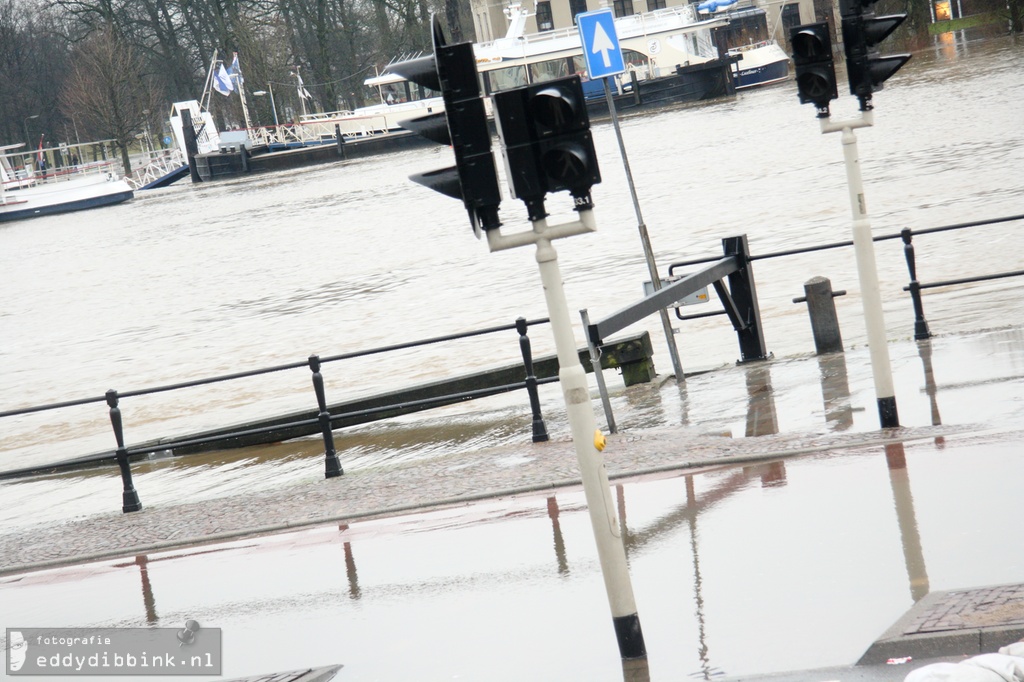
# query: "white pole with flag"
239,82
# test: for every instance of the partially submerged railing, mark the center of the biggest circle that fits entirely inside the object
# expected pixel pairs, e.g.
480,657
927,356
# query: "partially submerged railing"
921,330
324,422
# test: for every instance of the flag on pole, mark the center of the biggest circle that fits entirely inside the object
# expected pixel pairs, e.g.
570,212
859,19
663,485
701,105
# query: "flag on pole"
303,92
39,155
222,81
235,71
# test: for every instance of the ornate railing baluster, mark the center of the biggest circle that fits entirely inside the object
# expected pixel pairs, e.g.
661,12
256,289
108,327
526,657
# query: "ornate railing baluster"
332,467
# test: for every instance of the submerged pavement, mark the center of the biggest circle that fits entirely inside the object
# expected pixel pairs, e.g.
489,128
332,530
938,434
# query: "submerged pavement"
943,626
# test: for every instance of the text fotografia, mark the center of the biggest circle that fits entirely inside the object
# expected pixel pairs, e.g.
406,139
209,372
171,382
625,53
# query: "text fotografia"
191,650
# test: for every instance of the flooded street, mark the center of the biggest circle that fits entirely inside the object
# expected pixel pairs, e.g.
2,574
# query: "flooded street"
737,570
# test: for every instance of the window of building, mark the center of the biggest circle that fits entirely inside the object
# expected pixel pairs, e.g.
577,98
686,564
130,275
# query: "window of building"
577,7
655,4
623,8
544,20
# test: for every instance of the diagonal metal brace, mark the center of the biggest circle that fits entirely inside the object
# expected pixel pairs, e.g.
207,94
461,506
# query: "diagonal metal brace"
738,323
662,298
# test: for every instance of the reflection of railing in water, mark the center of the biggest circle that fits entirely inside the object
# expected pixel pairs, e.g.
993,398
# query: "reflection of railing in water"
287,428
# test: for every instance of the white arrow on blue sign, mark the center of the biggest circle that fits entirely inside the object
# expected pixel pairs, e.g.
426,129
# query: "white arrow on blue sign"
601,48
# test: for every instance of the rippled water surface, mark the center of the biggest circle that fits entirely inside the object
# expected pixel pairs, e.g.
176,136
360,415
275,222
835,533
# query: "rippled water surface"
200,280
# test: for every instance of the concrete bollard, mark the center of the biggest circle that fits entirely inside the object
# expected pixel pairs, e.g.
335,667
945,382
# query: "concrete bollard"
822,310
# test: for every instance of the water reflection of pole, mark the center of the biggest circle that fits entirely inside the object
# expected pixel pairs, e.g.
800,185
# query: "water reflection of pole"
924,349
350,568
761,417
563,562
702,645
835,390
913,555
148,598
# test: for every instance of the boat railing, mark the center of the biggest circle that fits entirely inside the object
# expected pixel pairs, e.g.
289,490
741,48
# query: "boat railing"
160,164
29,176
752,46
625,27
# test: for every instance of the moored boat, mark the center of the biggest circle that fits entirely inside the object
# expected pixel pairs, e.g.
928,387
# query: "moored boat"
761,61
28,190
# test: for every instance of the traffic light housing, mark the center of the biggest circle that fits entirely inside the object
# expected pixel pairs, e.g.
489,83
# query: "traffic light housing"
866,67
815,70
463,125
548,146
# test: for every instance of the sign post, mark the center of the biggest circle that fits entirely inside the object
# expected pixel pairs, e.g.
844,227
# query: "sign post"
603,56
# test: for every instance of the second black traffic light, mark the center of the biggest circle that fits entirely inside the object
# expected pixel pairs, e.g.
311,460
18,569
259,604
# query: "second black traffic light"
866,67
815,69
548,146
474,179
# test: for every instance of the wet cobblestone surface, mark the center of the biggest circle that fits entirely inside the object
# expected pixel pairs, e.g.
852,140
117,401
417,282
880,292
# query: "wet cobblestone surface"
392,490
964,609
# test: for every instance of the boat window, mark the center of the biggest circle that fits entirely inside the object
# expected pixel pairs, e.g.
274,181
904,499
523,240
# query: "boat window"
503,79
544,19
633,58
549,70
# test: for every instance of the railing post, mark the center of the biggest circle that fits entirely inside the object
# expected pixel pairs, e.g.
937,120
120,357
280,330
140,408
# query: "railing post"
921,330
821,307
332,467
129,497
540,431
744,294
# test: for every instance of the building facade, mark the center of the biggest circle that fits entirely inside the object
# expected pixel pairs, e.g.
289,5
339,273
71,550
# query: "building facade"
490,20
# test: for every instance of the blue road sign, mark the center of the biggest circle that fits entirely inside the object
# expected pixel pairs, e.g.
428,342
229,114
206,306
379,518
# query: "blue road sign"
600,43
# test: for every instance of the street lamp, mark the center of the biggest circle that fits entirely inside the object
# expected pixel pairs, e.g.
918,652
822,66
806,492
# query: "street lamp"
27,118
273,107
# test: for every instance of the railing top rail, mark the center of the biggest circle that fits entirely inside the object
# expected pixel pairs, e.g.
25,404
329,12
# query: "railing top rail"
842,244
264,370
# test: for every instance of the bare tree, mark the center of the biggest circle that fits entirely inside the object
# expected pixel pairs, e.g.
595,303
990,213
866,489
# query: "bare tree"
106,89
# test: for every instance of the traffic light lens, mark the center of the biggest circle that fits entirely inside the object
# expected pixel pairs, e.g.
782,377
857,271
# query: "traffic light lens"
808,45
814,86
566,164
552,108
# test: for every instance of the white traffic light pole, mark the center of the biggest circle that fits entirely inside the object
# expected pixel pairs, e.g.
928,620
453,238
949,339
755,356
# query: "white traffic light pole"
589,441
867,272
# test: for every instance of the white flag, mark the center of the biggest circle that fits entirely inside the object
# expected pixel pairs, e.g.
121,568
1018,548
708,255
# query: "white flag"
303,92
236,71
222,82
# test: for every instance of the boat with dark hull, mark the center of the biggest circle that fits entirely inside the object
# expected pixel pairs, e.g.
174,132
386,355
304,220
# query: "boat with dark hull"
29,190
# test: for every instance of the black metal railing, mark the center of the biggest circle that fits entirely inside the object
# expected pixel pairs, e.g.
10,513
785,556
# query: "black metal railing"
282,430
921,328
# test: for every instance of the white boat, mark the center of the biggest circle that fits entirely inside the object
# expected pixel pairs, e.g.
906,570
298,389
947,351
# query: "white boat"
28,189
657,44
761,60
671,56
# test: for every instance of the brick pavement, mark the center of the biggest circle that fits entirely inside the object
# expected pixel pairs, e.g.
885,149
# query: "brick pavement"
389,490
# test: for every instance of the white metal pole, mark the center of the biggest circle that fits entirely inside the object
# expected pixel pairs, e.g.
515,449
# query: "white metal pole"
273,106
587,439
867,271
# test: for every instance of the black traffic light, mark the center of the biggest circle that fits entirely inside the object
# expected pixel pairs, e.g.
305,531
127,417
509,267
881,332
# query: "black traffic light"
815,70
862,32
548,147
474,178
